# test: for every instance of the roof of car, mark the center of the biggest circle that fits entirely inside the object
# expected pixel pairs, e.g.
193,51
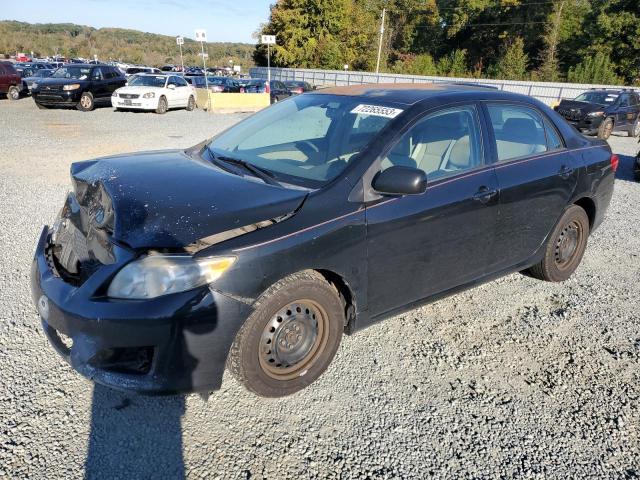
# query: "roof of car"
406,93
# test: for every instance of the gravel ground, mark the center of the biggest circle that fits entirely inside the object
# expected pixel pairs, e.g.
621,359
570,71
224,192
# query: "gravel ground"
517,378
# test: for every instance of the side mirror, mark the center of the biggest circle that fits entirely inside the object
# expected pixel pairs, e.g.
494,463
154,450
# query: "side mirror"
400,181
171,86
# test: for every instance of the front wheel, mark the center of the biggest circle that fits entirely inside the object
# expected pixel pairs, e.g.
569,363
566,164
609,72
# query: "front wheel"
635,129
86,103
290,338
162,106
13,93
605,129
565,247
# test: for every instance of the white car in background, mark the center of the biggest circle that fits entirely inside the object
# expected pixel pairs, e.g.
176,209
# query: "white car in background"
154,92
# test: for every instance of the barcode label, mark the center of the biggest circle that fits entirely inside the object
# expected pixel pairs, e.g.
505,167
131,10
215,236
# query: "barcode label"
377,111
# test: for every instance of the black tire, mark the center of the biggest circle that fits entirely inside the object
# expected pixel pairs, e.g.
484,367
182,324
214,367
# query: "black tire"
191,104
162,106
565,247
13,93
86,103
605,128
41,106
285,305
636,175
634,131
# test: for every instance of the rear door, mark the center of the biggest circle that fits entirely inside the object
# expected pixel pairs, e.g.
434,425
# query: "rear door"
536,175
625,113
422,245
183,89
99,84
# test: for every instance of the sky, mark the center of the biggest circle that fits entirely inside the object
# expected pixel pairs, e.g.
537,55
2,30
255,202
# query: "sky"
224,20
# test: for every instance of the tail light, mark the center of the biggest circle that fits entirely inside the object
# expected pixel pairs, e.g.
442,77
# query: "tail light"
217,88
297,90
615,161
241,89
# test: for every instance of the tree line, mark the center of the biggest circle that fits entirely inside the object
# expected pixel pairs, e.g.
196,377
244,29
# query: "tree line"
130,46
581,41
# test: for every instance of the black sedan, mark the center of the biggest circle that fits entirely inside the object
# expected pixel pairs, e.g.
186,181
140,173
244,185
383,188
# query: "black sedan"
277,89
298,86
216,84
316,217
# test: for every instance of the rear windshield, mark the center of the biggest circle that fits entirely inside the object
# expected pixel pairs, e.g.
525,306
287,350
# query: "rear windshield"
77,73
148,81
599,98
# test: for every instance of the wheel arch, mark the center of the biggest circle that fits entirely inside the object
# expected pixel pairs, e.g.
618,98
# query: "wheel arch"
346,295
589,206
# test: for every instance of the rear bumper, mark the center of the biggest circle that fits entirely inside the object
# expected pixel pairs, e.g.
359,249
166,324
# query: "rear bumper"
172,344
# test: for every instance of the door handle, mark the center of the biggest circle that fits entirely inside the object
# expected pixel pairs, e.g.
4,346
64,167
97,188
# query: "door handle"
485,194
565,172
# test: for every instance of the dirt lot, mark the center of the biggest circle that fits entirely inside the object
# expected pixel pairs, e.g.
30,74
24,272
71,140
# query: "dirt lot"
516,378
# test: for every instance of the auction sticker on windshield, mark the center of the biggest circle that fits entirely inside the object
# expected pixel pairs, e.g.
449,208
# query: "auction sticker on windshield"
377,111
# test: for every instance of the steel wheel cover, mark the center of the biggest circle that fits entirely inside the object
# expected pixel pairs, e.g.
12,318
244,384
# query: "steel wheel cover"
293,339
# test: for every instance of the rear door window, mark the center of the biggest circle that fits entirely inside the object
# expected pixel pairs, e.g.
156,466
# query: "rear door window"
519,131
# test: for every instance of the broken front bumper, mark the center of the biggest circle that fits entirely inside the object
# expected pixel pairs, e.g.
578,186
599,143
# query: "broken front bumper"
171,344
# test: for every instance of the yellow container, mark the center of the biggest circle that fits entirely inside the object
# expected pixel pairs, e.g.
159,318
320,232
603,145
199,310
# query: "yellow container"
232,102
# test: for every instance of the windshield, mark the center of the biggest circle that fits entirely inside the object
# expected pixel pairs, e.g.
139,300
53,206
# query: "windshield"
77,73
148,81
309,139
43,73
599,98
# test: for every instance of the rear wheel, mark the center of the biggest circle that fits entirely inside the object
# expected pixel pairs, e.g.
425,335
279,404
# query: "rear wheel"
191,104
162,106
565,247
13,93
605,129
291,337
86,103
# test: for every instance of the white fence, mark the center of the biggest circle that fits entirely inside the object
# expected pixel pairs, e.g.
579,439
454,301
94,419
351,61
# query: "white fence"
543,91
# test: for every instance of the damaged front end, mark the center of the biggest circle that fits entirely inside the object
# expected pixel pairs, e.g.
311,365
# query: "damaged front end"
80,238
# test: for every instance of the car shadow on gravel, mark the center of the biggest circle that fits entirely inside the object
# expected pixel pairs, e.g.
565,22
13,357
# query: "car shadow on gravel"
625,168
134,436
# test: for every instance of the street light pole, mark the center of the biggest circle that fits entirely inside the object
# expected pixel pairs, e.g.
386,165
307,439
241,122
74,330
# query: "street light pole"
181,58
384,10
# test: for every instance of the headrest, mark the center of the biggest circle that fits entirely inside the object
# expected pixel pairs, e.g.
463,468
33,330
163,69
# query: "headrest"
520,130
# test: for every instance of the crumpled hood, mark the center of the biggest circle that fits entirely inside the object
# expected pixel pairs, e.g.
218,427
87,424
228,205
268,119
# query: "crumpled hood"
166,199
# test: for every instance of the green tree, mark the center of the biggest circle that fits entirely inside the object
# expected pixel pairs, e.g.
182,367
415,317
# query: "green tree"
454,64
598,69
513,63
422,64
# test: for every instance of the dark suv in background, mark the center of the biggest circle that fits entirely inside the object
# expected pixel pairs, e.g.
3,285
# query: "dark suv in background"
78,85
10,81
603,111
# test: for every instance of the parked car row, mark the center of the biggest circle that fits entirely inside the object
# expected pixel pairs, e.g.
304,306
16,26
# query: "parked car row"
86,85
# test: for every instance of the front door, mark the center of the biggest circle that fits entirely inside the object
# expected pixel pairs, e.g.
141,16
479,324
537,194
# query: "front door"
537,176
422,245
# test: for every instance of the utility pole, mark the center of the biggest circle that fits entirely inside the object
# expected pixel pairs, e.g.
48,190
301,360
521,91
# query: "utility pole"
384,10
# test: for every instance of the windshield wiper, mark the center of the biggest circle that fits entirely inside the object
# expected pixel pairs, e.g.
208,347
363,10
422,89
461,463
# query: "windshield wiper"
263,174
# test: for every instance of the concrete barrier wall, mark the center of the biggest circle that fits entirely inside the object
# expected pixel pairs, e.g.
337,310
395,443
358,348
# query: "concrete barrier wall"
549,93
231,102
